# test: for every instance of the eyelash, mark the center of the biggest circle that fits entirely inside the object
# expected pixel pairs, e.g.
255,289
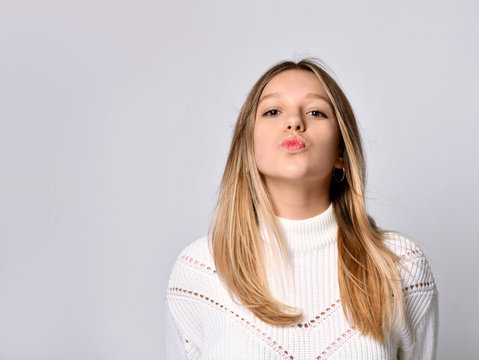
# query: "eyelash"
320,112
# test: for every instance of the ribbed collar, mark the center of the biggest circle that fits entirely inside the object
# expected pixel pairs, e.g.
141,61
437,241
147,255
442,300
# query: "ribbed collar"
311,233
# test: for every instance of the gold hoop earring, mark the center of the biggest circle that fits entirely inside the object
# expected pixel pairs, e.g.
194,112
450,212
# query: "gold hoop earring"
344,175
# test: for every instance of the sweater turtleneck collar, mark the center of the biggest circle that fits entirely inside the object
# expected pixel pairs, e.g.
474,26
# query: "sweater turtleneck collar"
311,233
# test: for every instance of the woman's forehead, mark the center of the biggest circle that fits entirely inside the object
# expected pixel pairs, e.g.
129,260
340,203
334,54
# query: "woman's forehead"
294,82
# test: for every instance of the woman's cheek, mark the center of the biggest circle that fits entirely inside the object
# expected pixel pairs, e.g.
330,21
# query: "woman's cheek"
260,144
260,154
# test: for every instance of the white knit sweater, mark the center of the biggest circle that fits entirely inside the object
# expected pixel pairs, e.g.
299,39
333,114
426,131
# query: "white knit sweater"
203,321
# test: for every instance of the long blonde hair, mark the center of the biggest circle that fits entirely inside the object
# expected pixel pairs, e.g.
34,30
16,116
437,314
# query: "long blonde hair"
369,283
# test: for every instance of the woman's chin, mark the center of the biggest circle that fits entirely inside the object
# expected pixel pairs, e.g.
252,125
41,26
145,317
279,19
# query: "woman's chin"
294,177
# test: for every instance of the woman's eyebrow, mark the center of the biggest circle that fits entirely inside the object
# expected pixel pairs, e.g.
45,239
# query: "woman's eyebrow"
309,95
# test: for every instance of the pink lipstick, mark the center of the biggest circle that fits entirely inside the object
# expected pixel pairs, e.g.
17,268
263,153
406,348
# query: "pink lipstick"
293,144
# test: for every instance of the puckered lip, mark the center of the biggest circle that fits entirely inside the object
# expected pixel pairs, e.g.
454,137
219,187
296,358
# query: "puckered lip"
293,143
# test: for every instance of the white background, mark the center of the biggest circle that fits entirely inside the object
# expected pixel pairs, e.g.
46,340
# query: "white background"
115,122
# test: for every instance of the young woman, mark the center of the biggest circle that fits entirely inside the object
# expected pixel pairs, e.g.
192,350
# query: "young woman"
294,268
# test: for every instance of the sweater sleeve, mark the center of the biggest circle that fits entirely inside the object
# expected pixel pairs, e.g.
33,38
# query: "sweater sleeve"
420,331
426,333
183,328
180,343
174,338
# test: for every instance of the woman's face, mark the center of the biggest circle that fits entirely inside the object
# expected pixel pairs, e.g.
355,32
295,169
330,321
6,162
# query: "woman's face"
296,135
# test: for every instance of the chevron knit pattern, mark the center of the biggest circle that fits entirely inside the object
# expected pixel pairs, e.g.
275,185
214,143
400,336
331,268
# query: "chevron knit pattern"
204,322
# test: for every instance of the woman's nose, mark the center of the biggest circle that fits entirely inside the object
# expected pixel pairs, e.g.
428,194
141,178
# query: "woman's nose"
295,123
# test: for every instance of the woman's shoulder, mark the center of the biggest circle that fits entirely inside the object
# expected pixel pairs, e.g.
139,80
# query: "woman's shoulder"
192,284
195,262
198,249
414,269
402,245
421,306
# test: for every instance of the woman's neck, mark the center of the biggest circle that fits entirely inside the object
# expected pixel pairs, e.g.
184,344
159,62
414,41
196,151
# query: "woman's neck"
298,201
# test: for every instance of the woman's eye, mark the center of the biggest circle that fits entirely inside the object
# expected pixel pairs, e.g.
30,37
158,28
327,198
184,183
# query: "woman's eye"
271,112
317,113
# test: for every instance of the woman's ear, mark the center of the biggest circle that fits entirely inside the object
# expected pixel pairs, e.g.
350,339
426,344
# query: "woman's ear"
339,163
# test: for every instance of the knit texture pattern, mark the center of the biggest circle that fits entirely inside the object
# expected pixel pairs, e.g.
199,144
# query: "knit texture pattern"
204,322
